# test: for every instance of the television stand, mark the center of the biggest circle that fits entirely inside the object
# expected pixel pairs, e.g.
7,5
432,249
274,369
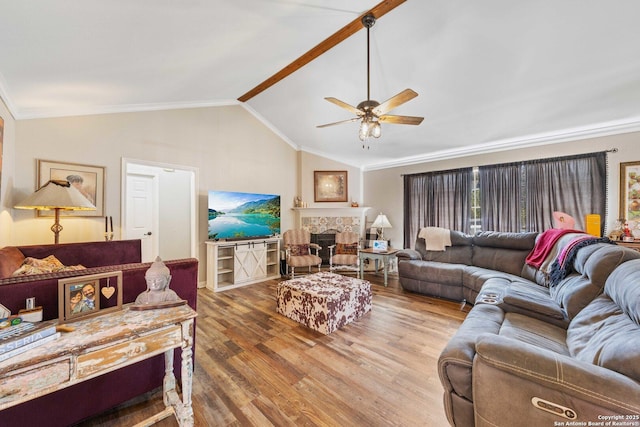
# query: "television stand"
231,264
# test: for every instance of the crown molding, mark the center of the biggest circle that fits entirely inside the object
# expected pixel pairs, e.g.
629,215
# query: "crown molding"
4,96
597,130
295,146
268,124
29,114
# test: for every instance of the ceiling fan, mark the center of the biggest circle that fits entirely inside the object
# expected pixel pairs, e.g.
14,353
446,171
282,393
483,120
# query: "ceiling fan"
370,112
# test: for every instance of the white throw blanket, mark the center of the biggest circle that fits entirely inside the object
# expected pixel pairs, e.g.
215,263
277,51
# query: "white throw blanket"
435,238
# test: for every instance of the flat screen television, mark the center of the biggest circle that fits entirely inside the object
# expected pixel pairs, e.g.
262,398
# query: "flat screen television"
236,216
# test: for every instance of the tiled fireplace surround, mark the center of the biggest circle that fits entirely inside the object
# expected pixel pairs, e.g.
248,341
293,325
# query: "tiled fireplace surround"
323,223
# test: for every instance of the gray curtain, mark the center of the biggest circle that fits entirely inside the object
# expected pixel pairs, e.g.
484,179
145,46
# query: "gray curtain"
500,197
576,185
437,199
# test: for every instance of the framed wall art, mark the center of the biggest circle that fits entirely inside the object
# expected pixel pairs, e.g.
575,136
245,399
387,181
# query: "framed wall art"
330,186
85,296
630,191
88,179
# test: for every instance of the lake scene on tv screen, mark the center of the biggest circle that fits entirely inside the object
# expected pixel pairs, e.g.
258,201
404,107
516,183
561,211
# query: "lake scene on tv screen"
234,215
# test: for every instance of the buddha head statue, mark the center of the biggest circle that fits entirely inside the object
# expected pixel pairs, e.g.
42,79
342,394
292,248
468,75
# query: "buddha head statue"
157,276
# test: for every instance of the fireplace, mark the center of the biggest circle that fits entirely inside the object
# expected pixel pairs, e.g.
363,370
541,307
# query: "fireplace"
324,239
323,223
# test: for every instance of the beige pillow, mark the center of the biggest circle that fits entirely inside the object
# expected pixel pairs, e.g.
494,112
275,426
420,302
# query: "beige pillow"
10,260
50,264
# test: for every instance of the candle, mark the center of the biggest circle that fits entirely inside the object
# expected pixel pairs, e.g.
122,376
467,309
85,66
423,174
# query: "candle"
111,220
105,224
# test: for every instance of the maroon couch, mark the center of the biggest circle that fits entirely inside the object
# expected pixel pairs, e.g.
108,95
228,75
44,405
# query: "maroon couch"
73,404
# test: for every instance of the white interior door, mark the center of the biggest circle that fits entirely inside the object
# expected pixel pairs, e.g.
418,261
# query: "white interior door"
159,206
141,213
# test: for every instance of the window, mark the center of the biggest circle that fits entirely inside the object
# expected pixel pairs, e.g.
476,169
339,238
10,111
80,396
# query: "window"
513,197
436,199
475,224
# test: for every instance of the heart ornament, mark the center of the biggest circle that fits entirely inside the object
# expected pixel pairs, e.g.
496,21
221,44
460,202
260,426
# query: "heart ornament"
108,291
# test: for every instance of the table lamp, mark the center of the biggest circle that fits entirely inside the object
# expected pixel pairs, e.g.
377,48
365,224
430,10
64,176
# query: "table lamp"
57,195
381,223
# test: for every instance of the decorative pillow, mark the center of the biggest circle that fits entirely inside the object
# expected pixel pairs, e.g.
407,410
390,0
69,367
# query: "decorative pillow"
50,264
297,250
347,248
10,260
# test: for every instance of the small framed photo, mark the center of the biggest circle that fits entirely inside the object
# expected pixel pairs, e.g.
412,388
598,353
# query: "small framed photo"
88,179
380,245
85,296
630,191
330,186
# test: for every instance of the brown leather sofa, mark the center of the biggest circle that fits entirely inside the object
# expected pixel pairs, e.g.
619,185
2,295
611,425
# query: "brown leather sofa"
68,406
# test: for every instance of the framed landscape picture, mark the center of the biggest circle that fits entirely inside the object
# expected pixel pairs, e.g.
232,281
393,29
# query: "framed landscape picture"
88,179
330,186
630,191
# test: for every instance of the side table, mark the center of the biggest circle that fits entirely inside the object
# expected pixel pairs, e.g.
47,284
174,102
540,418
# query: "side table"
384,256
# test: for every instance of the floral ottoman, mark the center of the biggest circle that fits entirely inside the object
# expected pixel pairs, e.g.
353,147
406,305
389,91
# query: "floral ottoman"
323,301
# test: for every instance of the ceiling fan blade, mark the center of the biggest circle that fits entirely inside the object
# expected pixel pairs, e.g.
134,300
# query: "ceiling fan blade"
346,106
401,120
340,122
394,101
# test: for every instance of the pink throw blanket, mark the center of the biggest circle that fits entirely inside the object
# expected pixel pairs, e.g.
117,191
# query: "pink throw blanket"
544,245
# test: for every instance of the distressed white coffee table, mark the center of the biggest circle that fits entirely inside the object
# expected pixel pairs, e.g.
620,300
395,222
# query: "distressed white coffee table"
102,344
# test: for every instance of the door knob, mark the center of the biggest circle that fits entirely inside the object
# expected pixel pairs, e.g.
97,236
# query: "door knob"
148,233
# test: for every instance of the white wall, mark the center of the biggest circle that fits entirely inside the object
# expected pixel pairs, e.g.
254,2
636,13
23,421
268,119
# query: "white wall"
6,177
384,188
310,163
230,148
174,214
232,151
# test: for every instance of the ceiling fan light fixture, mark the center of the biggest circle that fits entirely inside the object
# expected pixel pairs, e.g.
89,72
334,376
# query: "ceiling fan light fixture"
371,112
369,127
364,130
376,129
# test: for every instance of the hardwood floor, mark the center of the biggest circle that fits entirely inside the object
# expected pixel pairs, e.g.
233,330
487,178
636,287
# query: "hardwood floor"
255,367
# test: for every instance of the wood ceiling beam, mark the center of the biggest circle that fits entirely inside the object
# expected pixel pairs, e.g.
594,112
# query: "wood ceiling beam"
348,30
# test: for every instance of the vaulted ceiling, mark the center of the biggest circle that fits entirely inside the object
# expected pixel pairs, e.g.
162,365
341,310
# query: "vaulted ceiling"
490,74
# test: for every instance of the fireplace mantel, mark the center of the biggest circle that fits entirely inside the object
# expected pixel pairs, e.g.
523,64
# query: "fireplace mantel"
322,210
319,219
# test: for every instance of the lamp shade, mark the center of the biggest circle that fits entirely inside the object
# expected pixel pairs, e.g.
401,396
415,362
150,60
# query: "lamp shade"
381,222
57,194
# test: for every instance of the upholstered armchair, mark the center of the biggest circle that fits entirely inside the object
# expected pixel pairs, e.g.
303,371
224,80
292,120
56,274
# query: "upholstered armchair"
343,256
298,249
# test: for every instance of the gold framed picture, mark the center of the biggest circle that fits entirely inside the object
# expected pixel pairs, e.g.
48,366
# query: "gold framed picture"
88,179
85,296
630,191
330,186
